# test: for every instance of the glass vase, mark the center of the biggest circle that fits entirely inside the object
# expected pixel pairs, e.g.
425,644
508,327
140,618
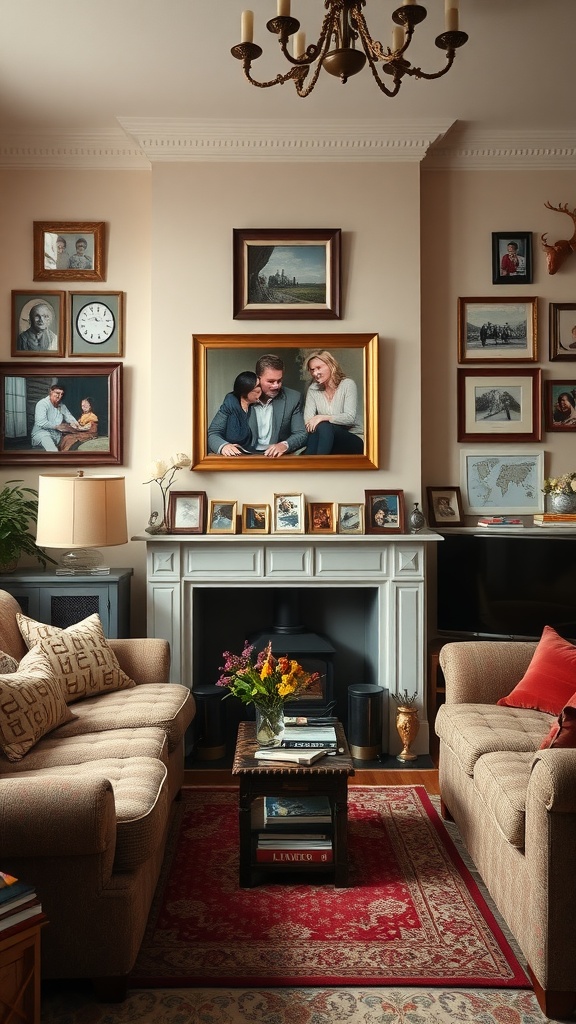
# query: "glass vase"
269,725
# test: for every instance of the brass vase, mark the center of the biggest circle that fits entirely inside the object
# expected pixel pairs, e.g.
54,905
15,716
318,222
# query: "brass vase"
408,725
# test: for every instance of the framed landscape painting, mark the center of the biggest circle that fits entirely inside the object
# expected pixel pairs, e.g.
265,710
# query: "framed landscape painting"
499,483
497,329
286,274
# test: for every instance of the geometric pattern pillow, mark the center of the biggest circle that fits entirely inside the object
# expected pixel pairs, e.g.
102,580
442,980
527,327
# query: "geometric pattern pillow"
79,656
31,705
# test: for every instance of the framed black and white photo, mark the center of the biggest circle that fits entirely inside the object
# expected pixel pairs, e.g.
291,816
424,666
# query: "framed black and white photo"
256,518
350,517
494,403
222,516
96,324
512,257
502,482
38,323
560,405
562,330
187,511
69,251
444,506
288,513
497,329
385,511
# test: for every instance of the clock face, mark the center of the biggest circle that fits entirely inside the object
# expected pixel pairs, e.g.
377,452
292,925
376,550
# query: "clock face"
95,323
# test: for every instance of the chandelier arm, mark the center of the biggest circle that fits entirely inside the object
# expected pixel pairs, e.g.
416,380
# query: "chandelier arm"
418,73
313,50
292,75
380,83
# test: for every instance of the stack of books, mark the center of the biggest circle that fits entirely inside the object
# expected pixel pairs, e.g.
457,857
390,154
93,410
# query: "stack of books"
555,519
310,737
295,831
18,902
501,522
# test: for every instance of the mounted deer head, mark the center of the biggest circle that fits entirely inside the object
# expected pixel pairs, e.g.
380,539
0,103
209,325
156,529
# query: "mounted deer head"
557,253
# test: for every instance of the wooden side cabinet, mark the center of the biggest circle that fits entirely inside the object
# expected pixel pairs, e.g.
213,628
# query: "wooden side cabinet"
63,600
20,974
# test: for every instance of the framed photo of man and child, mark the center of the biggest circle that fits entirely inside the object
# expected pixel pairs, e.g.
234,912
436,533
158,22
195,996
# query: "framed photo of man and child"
61,414
285,401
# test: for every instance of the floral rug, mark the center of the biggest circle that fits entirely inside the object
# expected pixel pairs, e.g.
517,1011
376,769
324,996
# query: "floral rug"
413,914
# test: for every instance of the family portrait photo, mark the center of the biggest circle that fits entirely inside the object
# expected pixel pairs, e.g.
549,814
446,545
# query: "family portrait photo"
72,251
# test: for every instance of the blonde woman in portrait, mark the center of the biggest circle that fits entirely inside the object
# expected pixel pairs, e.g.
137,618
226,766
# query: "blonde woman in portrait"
333,422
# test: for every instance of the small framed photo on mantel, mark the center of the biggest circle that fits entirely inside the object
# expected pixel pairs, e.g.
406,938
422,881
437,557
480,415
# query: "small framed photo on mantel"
385,512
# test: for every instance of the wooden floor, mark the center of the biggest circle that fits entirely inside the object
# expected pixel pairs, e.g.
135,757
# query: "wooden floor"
212,778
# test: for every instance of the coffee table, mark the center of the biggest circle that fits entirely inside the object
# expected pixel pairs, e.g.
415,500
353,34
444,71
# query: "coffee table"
329,777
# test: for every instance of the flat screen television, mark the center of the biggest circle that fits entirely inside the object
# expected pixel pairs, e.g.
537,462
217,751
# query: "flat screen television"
506,587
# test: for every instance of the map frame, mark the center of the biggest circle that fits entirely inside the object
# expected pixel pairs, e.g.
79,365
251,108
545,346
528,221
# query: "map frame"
516,500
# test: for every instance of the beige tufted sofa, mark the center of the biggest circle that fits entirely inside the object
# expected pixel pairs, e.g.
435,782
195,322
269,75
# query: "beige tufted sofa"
84,814
515,807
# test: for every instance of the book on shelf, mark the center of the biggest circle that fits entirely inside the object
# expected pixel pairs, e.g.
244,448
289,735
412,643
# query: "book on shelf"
310,736
501,521
291,810
280,755
305,856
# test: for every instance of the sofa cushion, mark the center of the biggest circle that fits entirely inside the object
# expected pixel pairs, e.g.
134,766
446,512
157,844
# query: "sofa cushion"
549,680
141,802
501,780
80,656
31,705
8,664
56,751
563,731
168,706
472,730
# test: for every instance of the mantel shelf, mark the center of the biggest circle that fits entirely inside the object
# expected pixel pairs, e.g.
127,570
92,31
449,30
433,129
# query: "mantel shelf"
283,538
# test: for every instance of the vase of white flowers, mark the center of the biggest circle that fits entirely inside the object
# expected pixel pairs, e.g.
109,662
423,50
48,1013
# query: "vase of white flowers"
164,474
561,491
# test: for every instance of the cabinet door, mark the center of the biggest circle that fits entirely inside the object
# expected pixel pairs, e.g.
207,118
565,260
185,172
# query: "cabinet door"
64,606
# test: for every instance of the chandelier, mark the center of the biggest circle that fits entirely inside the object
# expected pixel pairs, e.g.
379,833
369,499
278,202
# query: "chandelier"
336,51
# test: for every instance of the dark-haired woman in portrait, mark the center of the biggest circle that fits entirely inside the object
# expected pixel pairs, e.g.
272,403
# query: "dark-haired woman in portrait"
331,414
229,433
565,409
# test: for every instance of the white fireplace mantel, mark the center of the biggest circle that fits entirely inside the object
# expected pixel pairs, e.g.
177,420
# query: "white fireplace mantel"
392,568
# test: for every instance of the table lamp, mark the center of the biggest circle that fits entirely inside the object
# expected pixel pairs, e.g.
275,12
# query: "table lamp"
81,513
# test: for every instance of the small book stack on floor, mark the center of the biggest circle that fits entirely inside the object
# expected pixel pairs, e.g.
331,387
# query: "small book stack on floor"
296,830
18,902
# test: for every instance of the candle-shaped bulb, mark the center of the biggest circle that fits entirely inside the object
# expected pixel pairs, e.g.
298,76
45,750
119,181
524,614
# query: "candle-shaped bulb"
452,19
299,45
283,8
247,27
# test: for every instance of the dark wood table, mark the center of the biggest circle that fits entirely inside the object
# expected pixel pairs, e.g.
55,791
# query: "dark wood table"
329,777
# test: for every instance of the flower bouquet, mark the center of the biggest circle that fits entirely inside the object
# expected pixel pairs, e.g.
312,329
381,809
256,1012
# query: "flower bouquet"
267,683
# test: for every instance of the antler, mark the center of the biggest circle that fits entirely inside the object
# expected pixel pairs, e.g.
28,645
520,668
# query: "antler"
556,254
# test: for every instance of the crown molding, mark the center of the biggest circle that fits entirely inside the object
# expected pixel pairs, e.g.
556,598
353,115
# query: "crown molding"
183,139
465,147
107,150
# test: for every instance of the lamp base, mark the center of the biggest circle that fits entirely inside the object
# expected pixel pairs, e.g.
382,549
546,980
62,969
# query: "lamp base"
82,562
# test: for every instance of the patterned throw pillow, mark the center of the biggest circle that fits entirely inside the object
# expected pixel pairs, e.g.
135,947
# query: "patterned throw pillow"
31,705
79,655
7,664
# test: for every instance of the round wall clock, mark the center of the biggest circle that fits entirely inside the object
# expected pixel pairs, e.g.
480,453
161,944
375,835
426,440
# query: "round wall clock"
95,323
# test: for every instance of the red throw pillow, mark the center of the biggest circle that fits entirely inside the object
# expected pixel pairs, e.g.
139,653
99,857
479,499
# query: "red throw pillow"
563,732
550,679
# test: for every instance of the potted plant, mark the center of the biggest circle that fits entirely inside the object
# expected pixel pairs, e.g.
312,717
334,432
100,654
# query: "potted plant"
18,509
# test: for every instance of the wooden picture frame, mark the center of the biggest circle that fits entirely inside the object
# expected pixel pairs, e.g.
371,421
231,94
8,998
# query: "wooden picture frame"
385,511
288,513
256,518
350,518
222,516
218,359
512,257
69,251
274,266
560,405
38,324
96,325
502,482
498,329
321,517
187,511
444,507
23,438
562,330
494,403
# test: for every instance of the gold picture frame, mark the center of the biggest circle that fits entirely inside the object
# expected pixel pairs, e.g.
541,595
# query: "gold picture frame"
221,516
69,251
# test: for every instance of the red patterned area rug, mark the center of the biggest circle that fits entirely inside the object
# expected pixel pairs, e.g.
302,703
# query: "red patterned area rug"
412,916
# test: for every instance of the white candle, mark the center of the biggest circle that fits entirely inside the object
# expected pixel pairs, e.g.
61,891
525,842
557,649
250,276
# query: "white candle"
450,5
452,19
397,37
406,3
247,27
283,8
299,44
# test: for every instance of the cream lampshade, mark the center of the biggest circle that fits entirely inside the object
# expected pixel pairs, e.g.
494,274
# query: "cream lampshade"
80,513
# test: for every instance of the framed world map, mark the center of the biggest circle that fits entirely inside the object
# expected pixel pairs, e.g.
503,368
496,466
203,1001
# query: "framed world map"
498,483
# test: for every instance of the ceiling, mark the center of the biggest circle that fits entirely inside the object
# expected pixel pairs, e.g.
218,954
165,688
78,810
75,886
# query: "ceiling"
126,68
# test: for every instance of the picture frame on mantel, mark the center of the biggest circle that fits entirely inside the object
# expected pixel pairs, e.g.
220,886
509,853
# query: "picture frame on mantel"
187,511
286,274
444,507
385,512
69,251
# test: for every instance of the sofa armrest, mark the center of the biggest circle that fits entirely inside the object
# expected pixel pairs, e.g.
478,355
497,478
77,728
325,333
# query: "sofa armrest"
51,816
145,660
482,671
552,779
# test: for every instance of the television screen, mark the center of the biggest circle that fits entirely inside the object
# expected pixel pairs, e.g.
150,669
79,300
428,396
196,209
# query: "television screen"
507,587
